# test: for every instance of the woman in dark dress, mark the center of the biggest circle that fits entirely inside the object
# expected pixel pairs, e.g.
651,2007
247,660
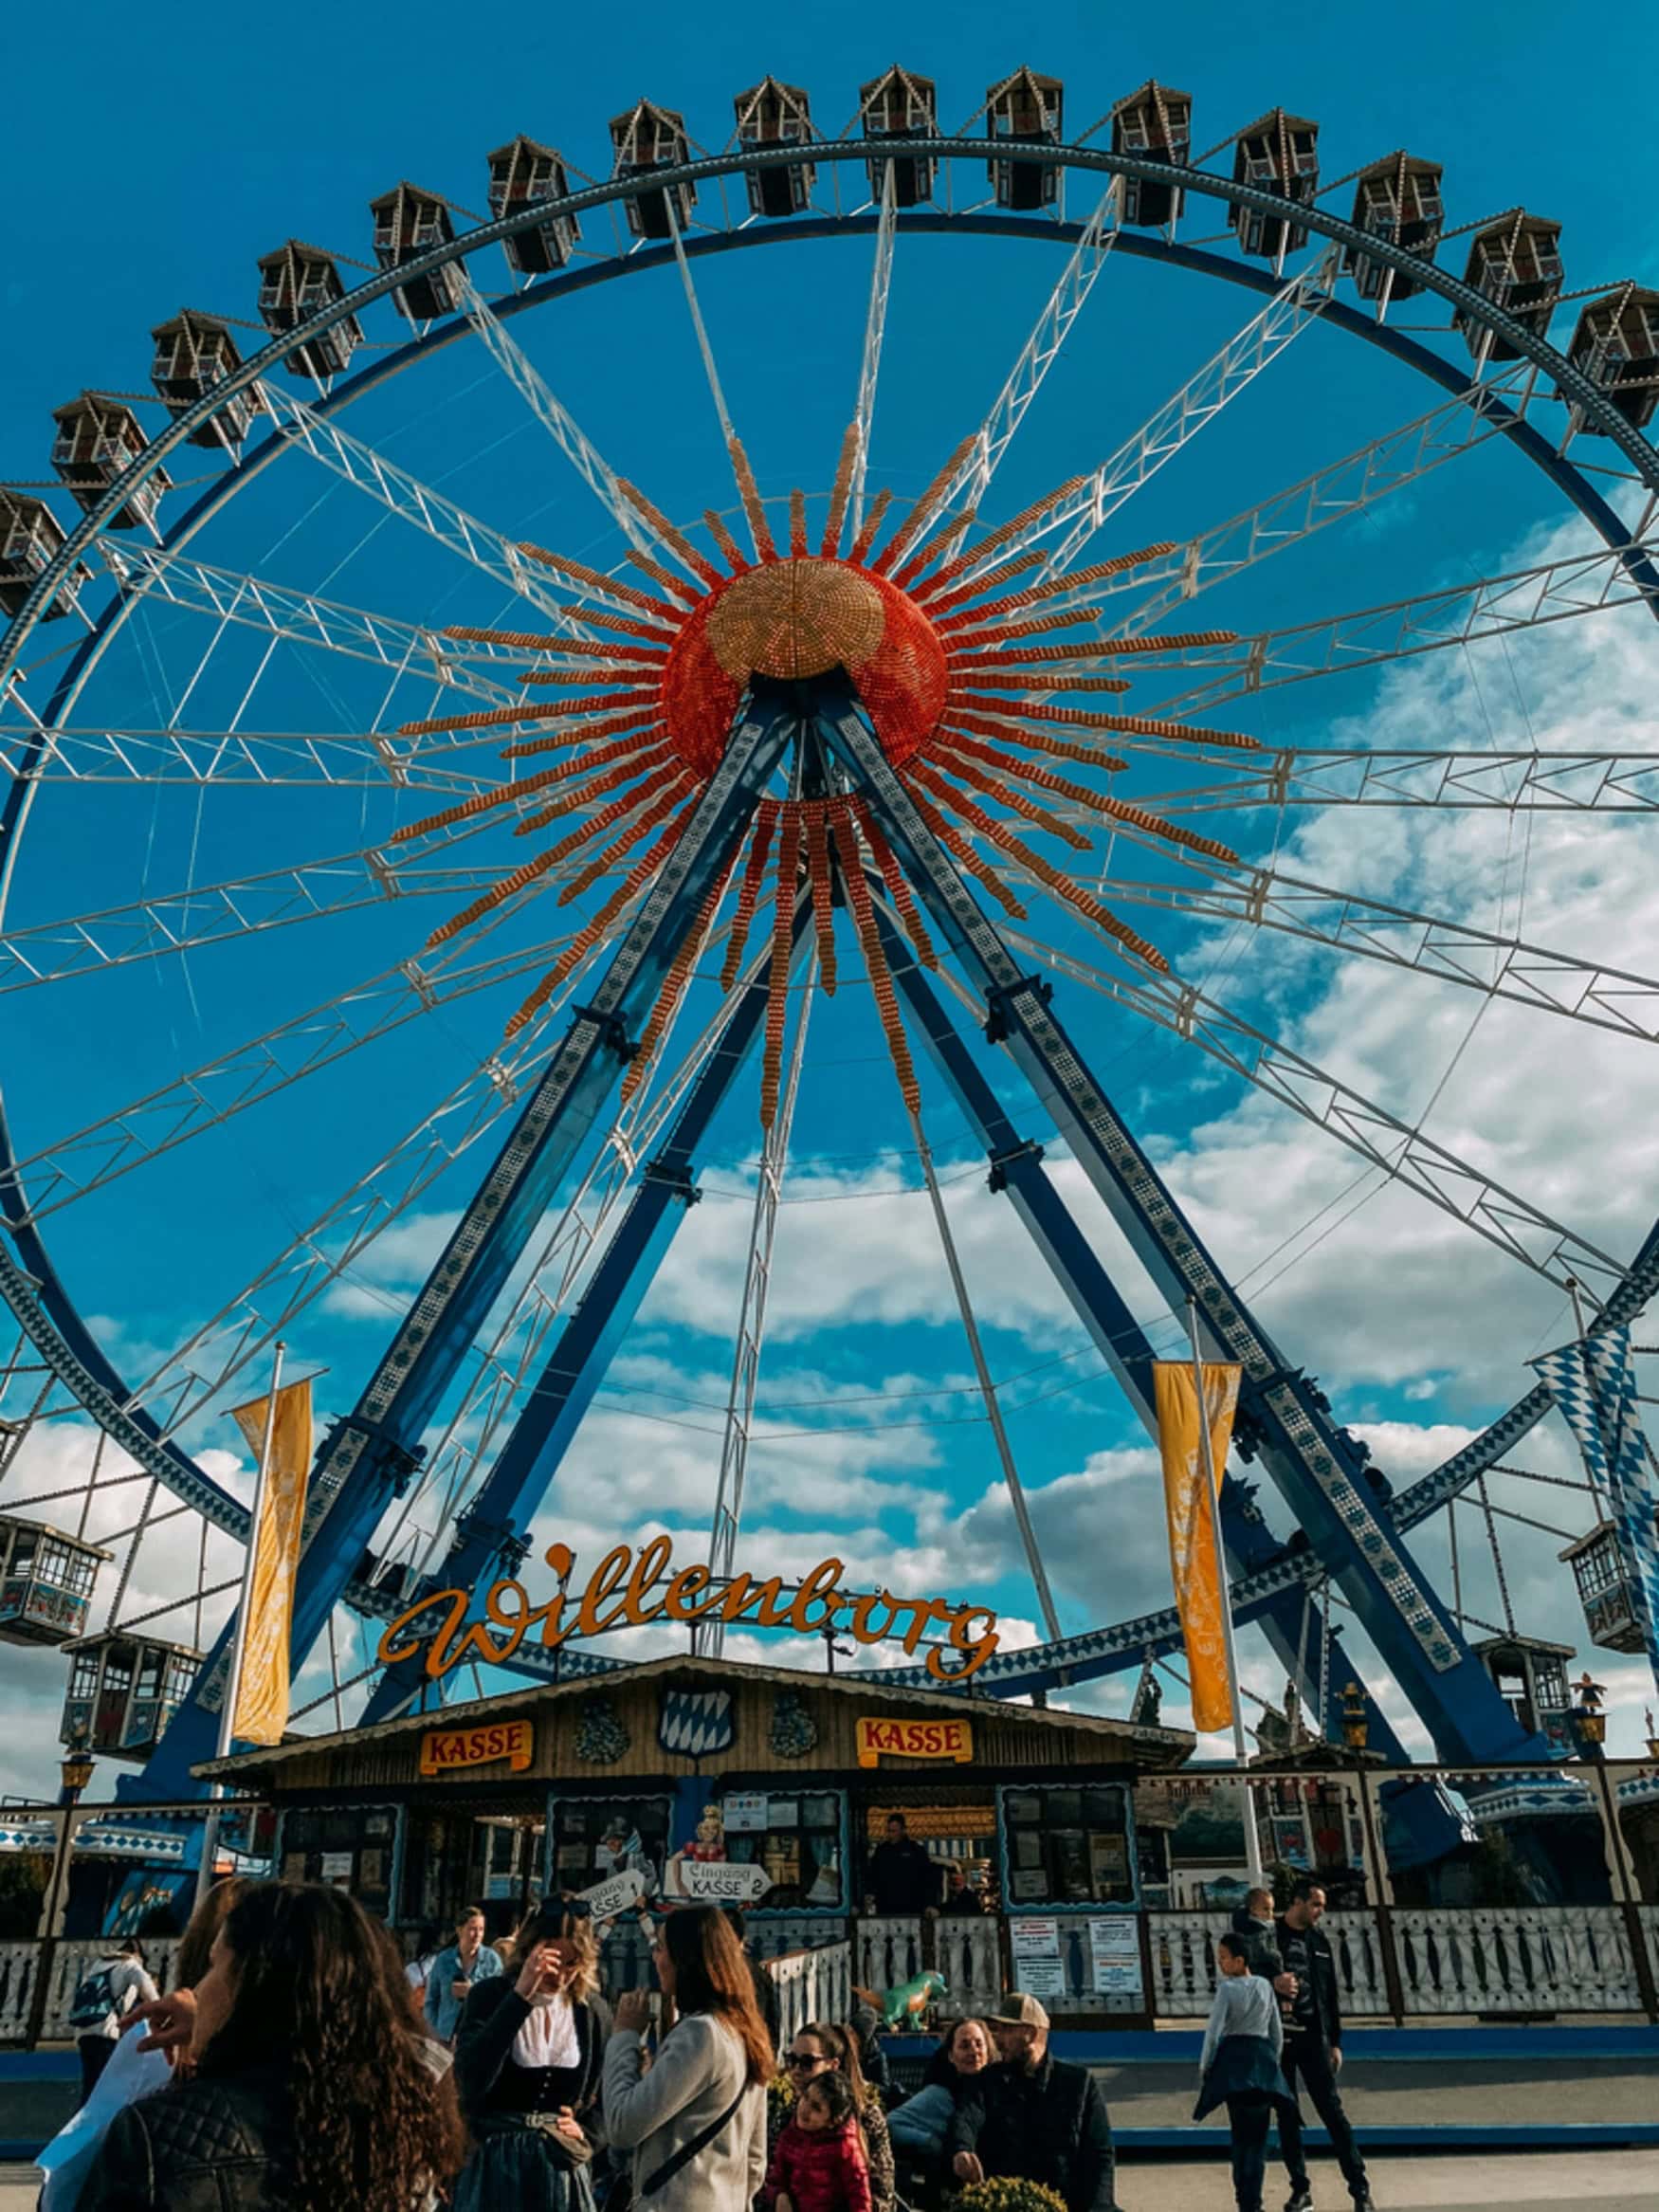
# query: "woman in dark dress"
528,2059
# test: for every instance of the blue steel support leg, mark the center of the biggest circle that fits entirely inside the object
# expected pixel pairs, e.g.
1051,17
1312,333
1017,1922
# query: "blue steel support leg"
1311,1459
368,1457
496,1524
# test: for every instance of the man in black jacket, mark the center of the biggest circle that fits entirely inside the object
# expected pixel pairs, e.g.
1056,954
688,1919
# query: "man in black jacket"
903,1879
1034,2117
1312,2057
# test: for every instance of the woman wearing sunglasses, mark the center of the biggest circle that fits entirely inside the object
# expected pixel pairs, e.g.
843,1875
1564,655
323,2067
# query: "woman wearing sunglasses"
825,2047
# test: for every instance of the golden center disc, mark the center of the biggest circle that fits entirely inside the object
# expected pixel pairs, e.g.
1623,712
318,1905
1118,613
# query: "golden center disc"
796,618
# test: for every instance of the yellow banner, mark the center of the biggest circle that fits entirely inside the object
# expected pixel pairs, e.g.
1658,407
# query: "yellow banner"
261,1698
1195,1552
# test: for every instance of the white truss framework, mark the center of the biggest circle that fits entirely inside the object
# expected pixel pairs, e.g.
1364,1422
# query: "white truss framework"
1490,607
1399,1152
1342,487
1178,420
1041,349
225,595
1305,775
557,419
416,503
875,325
1429,944
229,756
709,1637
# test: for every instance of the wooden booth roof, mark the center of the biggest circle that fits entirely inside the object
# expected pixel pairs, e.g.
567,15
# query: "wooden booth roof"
1005,1735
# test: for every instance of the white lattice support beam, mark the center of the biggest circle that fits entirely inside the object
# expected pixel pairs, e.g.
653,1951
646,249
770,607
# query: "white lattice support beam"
276,757
709,1636
869,366
1429,945
225,595
231,1082
1178,421
1557,590
406,496
1042,348
1402,1153
1312,775
554,417
1361,479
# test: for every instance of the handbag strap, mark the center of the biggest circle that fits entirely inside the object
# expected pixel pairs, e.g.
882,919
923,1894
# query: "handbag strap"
698,2143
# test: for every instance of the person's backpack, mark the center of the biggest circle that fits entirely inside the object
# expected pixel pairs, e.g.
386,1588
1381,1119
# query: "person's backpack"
94,1999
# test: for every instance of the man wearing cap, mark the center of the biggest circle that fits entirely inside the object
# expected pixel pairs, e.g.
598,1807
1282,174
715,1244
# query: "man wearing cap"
1036,2118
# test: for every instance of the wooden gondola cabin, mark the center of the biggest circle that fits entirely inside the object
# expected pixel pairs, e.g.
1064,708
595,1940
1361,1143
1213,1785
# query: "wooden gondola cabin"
649,137
1516,263
1398,199
1156,123
97,439
409,223
1278,154
901,105
771,114
1606,1590
30,538
1531,1678
1617,345
1025,109
294,284
123,1691
193,352
763,1785
45,1582
521,175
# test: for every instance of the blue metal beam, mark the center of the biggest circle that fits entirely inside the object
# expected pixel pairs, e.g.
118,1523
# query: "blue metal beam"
498,1522
1284,1417
368,1457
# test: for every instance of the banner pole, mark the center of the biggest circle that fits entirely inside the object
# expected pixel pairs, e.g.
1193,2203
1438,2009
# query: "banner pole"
239,1641
1207,1457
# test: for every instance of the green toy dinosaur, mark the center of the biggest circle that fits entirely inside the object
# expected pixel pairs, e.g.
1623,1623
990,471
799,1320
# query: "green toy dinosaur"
907,2007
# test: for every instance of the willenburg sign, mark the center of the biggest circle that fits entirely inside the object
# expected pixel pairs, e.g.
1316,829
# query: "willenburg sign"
627,1590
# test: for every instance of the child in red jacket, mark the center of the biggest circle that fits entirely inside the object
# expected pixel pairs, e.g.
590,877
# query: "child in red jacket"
819,2165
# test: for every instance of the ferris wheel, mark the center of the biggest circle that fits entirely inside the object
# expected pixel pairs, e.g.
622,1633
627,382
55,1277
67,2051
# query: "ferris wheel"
593,820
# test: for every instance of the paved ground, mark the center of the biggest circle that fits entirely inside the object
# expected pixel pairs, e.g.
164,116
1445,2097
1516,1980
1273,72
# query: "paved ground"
1608,2180
1404,2092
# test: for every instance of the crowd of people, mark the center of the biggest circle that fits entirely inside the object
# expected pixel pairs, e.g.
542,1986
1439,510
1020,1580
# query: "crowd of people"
298,2064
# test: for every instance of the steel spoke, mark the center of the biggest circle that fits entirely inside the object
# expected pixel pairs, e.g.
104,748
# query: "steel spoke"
1399,1152
1180,419
1041,349
227,595
560,424
1492,607
233,1081
406,496
1429,944
348,761
1313,775
870,360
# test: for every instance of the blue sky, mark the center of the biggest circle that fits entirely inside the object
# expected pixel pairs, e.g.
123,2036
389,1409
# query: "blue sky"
147,173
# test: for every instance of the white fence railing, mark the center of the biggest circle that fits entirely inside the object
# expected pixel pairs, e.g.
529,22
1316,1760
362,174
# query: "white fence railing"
812,1986
1517,1958
19,1964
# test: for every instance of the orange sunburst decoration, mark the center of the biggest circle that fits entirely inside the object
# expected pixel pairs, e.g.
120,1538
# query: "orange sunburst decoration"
937,650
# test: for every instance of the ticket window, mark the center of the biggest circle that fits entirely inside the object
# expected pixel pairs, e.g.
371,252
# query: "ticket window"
1069,1846
347,1847
597,1836
797,1836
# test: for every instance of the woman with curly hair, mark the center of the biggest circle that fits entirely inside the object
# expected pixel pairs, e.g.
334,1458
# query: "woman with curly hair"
823,2047
528,2057
310,2090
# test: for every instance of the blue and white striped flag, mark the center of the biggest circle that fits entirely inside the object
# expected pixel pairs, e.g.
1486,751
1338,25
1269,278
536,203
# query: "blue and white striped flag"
1594,1384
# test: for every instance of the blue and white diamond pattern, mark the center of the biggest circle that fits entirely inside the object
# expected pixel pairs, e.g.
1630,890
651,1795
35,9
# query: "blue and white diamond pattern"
1594,1384
695,1722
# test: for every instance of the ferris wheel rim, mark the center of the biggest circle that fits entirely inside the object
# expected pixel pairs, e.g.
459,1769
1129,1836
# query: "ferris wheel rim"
1565,476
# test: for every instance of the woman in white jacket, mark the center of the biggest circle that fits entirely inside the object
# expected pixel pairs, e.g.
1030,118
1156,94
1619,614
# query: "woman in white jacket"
696,2119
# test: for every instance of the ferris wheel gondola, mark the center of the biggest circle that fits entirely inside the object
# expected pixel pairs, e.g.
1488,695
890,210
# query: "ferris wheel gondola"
901,841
